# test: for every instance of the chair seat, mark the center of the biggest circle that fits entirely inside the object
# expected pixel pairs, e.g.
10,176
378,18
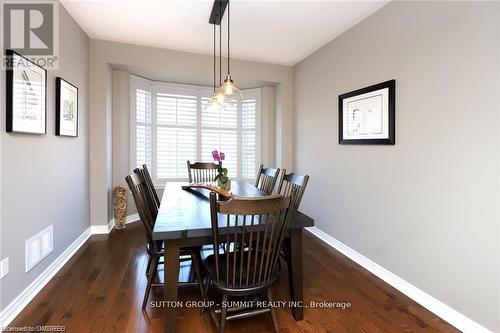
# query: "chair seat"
251,270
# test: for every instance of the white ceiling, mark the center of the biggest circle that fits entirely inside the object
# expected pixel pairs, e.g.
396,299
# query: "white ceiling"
281,32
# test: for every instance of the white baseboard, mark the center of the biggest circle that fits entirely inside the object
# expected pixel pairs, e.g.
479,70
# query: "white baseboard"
133,218
20,302
102,229
442,310
106,229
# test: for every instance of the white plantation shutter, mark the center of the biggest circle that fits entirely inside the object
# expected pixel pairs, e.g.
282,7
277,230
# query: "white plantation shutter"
222,140
143,133
175,146
176,142
176,109
248,136
219,130
170,126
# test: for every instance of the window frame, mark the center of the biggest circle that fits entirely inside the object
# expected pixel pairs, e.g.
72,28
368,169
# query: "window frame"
138,83
200,92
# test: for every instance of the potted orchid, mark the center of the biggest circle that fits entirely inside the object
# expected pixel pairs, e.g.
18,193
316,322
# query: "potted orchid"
221,178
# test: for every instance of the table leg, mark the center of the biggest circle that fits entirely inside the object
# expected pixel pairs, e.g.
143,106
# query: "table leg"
171,278
295,258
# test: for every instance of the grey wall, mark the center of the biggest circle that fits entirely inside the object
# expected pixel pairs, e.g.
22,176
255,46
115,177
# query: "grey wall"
45,178
170,66
426,209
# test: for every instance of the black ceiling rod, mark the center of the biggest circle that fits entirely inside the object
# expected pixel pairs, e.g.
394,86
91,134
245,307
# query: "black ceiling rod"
220,55
218,10
228,34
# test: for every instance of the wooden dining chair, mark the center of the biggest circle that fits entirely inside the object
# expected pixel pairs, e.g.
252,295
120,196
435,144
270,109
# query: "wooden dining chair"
144,172
155,250
293,185
252,230
202,172
291,181
152,203
266,179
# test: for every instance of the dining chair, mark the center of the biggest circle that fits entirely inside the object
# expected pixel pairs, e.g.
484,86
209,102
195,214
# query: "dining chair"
266,179
144,172
252,230
291,181
202,172
153,203
293,185
155,250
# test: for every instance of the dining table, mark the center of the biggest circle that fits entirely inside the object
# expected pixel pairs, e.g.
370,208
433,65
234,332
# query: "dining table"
184,221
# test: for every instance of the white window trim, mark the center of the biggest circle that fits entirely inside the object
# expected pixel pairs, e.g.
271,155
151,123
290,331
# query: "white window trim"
258,138
199,91
135,83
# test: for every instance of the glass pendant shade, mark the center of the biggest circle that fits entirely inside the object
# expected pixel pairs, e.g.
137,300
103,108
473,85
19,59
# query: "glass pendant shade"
220,98
230,91
213,104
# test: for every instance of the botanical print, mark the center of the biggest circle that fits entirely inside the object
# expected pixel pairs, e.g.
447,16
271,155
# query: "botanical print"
364,116
68,110
28,101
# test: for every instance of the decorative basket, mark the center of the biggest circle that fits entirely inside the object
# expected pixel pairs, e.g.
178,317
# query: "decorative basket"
120,202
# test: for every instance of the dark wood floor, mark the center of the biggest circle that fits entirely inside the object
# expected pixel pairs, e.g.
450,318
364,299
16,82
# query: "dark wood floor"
100,290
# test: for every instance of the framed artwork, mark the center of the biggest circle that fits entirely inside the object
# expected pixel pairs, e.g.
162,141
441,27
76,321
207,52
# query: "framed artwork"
26,96
367,115
66,108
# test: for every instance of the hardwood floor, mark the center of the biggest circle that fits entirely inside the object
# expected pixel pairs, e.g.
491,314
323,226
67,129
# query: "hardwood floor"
101,288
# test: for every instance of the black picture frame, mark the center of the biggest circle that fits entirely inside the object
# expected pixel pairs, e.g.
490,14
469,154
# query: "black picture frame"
59,83
391,125
9,95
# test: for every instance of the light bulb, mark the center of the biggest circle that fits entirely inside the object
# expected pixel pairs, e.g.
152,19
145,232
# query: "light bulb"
231,92
228,89
220,98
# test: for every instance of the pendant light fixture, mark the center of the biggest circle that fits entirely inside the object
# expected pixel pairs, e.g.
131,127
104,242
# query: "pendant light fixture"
215,104
220,96
229,89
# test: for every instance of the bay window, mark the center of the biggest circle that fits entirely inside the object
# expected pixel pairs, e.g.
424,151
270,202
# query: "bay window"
170,125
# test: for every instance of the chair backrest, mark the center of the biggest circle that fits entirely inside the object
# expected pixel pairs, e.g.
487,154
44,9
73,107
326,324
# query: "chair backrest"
140,193
292,181
202,172
266,179
144,172
252,230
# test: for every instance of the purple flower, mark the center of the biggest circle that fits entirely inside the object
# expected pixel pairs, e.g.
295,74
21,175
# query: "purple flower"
215,155
222,156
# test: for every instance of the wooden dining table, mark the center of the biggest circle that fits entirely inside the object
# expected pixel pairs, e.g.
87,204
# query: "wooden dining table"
184,221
